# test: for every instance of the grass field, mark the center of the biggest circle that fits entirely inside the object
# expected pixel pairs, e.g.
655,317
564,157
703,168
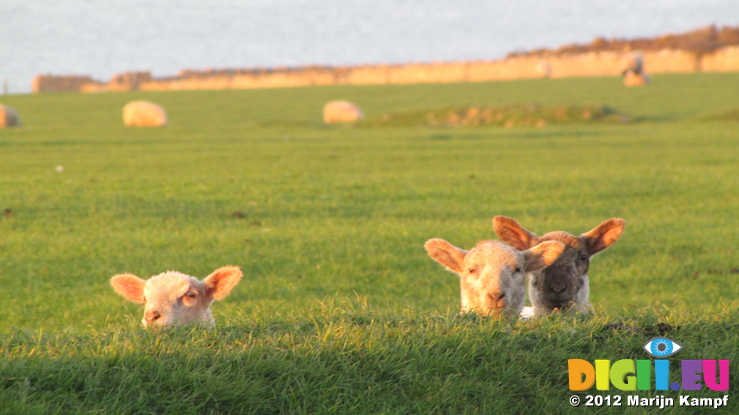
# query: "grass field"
340,310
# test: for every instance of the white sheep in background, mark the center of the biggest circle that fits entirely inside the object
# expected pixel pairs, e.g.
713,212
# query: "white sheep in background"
173,298
341,111
144,114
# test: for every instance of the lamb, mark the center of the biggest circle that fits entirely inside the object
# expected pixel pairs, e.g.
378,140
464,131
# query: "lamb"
144,114
492,274
563,285
173,298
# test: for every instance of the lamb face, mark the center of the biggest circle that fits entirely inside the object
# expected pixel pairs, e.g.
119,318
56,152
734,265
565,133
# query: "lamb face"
492,279
564,284
176,298
173,298
492,274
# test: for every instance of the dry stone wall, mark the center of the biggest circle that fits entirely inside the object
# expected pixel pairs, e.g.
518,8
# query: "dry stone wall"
542,65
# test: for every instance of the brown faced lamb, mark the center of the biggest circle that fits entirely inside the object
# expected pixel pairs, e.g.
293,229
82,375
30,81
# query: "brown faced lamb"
564,284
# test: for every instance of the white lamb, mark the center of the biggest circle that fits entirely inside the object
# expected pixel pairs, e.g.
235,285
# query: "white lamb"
493,274
173,298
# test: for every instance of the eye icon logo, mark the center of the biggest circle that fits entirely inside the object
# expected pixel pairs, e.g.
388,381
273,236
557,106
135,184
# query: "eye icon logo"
662,347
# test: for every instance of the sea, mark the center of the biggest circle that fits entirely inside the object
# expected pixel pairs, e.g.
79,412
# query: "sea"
101,38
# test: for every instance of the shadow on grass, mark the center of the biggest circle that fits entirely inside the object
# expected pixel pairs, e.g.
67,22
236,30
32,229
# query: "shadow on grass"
338,360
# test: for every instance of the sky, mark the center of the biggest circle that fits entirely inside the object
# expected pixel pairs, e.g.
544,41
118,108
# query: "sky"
102,38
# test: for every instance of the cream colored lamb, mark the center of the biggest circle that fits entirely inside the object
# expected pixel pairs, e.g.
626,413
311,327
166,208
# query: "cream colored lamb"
173,298
493,274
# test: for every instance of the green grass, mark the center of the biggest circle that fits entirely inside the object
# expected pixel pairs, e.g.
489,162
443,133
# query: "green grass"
504,116
725,115
340,310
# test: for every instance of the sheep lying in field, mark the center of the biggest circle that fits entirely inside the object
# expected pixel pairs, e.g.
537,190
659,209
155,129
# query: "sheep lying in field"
144,114
173,298
341,111
564,284
493,274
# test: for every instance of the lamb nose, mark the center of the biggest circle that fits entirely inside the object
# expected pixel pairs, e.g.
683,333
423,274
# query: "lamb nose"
152,316
557,288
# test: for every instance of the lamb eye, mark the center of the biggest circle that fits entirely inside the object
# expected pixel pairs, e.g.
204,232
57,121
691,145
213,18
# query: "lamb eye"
583,257
518,269
472,270
191,294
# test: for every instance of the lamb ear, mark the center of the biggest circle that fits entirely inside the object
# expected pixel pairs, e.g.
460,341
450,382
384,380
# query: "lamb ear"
129,286
220,283
512,233
603,235
542,255
448,255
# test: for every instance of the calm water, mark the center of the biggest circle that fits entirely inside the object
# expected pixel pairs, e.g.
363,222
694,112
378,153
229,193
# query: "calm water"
104,37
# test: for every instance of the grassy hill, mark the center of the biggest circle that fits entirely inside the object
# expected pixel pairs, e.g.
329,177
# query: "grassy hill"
340,310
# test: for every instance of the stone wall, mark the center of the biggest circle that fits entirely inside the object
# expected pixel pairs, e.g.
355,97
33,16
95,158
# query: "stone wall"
722,60
55,83
603,63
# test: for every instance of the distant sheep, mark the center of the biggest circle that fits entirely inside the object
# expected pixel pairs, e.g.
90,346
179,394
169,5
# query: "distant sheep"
144,114
633,72
341,111
173,298
9,117
493,274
